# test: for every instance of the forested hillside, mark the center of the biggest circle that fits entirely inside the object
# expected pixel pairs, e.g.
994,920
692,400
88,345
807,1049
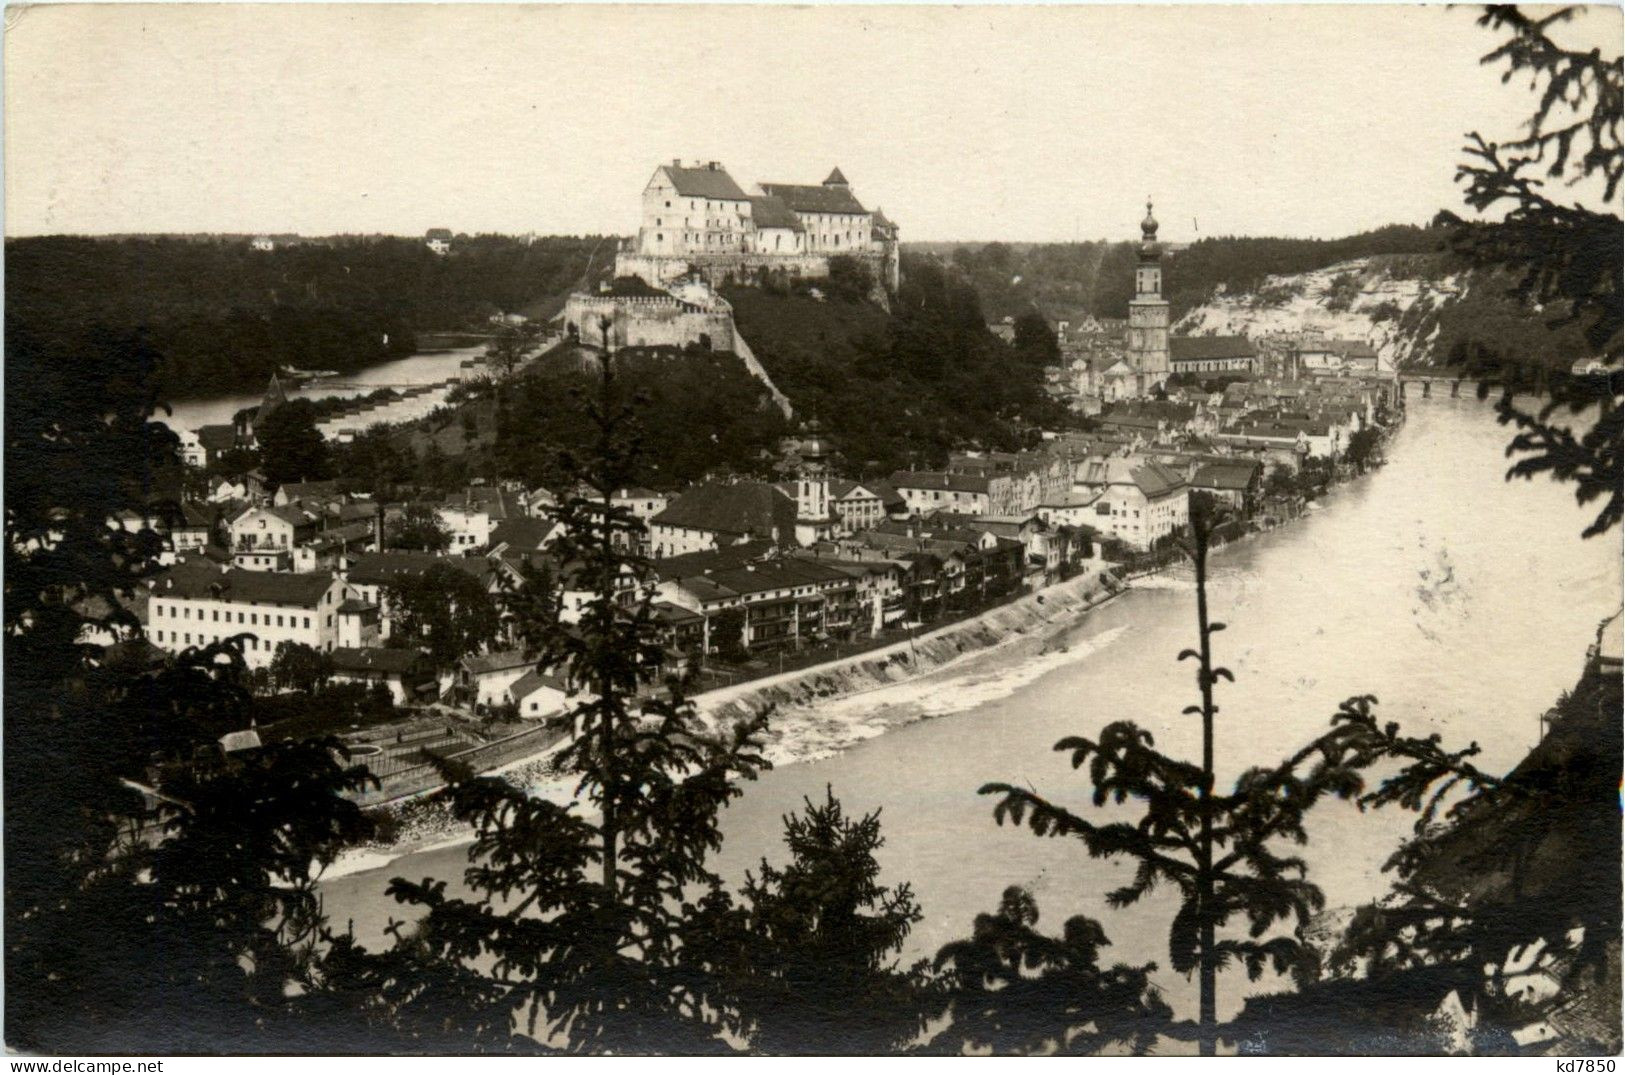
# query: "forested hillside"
1398,287
1097,278
898,389
222,316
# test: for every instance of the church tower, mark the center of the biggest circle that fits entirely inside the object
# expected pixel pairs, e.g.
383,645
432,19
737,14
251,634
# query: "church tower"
814,519
1148,312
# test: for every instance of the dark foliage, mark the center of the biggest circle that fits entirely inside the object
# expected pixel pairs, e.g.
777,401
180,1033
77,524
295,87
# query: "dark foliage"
298,667
1560,256
1070,280
1016,990
291,450
419,529
811,952
171,920
728,634
898,390
446,611
576,929
702,412
224,317
1224,853
850,280
1515,881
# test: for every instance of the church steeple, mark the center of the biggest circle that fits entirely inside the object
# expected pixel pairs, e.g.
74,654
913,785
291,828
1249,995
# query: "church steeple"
1148,277
1148,312
813,518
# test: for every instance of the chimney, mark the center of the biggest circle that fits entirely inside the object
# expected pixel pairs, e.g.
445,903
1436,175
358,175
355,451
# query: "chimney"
677,162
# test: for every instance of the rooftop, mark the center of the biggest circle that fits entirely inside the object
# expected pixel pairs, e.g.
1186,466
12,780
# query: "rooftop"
756,508
815,199
197,582
1210,348
709,180
940,479
375,659
770,212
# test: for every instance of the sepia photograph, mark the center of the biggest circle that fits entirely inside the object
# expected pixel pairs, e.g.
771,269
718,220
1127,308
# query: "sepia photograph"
748,530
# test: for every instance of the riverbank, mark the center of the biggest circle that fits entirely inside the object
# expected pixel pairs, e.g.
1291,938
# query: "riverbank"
806,727
828,708
1347,601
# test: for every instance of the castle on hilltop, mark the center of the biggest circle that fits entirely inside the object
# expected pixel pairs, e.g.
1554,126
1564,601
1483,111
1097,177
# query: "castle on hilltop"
696,218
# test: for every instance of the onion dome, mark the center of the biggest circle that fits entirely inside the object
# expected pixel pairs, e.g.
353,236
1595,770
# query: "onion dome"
814,446
1148,226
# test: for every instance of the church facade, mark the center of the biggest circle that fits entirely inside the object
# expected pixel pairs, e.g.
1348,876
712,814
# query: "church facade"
697,218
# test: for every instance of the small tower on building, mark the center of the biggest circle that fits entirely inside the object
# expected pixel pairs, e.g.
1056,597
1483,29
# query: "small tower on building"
1148,312
815,519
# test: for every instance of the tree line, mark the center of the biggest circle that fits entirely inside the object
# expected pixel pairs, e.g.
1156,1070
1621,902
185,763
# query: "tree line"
224,316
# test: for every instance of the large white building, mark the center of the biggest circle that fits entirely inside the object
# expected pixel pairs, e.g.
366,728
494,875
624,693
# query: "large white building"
1139,501
198,605
697,216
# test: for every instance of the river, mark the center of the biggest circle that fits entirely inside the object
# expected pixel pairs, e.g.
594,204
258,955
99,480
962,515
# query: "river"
1463,602
425,367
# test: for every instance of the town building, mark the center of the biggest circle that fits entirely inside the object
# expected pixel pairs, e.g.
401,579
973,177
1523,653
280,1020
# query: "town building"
1199,355
858,505
537,694
926,491
406,673
263,538
784,602
1140,500
197,604
472,515
485,678
370,576
713,516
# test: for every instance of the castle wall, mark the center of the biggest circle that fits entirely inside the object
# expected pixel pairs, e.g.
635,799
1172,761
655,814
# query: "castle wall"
836,233
648,322
718,269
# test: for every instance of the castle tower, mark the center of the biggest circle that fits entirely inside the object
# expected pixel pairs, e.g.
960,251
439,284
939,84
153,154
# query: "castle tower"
1148,312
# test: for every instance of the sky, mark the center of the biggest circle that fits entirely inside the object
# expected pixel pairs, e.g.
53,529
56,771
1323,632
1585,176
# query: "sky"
972,123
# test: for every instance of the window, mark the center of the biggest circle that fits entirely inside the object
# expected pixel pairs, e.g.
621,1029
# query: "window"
239,617
279,621
215,615
307,621
189,638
